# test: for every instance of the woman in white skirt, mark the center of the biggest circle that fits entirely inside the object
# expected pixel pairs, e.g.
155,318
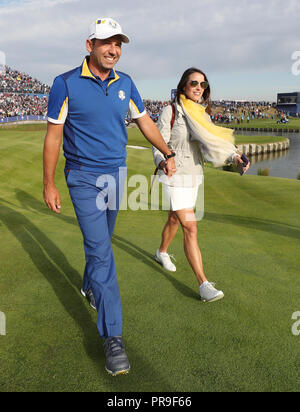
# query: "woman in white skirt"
177,125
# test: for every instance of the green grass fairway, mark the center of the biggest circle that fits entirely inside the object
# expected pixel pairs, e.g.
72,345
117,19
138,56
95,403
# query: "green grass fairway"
250,242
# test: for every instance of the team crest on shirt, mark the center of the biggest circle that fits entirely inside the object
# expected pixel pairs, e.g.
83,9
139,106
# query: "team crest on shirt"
122,95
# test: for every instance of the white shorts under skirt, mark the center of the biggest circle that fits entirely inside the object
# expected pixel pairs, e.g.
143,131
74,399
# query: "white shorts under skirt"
181,197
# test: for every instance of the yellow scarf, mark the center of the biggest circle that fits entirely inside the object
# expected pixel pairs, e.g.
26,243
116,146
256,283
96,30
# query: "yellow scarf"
216,143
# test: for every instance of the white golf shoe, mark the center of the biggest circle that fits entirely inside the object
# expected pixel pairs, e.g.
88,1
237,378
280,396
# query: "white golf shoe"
208,293
165,260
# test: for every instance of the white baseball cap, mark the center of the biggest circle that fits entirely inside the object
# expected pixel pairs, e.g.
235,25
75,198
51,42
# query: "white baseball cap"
105,27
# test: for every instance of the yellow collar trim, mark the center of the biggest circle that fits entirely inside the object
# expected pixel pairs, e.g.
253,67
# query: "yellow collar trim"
86,71
115,79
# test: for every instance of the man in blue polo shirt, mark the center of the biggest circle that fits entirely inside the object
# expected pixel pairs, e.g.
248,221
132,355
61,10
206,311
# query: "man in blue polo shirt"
88,106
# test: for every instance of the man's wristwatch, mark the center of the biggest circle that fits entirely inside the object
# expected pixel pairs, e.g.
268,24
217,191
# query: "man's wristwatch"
167,157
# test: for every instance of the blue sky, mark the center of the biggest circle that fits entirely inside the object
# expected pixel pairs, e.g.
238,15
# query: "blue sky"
244,46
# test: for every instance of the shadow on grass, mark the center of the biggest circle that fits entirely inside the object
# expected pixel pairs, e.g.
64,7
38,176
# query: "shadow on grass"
35,243
30,203
43,252
280,229
148,259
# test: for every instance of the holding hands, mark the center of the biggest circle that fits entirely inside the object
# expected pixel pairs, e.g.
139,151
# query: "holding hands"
168,166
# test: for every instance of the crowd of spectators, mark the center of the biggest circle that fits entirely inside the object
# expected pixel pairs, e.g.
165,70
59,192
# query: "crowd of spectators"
13,104
154,108
21,95
242,111
13,81
224,111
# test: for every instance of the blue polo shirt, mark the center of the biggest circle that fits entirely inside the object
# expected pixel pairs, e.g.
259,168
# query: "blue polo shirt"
93,114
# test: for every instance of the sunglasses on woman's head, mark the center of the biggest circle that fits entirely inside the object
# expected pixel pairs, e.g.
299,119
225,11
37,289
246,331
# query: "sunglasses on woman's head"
194,83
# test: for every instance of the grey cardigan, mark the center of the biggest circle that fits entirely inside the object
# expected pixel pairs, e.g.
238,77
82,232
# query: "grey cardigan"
188,159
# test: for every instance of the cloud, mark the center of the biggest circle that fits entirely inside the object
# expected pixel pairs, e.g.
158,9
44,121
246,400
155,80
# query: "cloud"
46,37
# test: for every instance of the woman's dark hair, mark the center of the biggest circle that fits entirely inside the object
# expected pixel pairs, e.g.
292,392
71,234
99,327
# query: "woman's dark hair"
183,81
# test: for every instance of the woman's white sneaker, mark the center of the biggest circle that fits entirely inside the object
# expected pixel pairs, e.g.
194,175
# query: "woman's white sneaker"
208,293
165,260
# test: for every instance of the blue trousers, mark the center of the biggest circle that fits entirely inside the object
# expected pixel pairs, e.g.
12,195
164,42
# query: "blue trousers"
96,199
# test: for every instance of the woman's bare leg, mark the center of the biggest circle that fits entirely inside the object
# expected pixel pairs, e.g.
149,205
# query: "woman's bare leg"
169,231
191,248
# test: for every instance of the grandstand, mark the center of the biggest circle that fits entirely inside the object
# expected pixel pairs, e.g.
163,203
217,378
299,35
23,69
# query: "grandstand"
21,95
13,81
25,98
